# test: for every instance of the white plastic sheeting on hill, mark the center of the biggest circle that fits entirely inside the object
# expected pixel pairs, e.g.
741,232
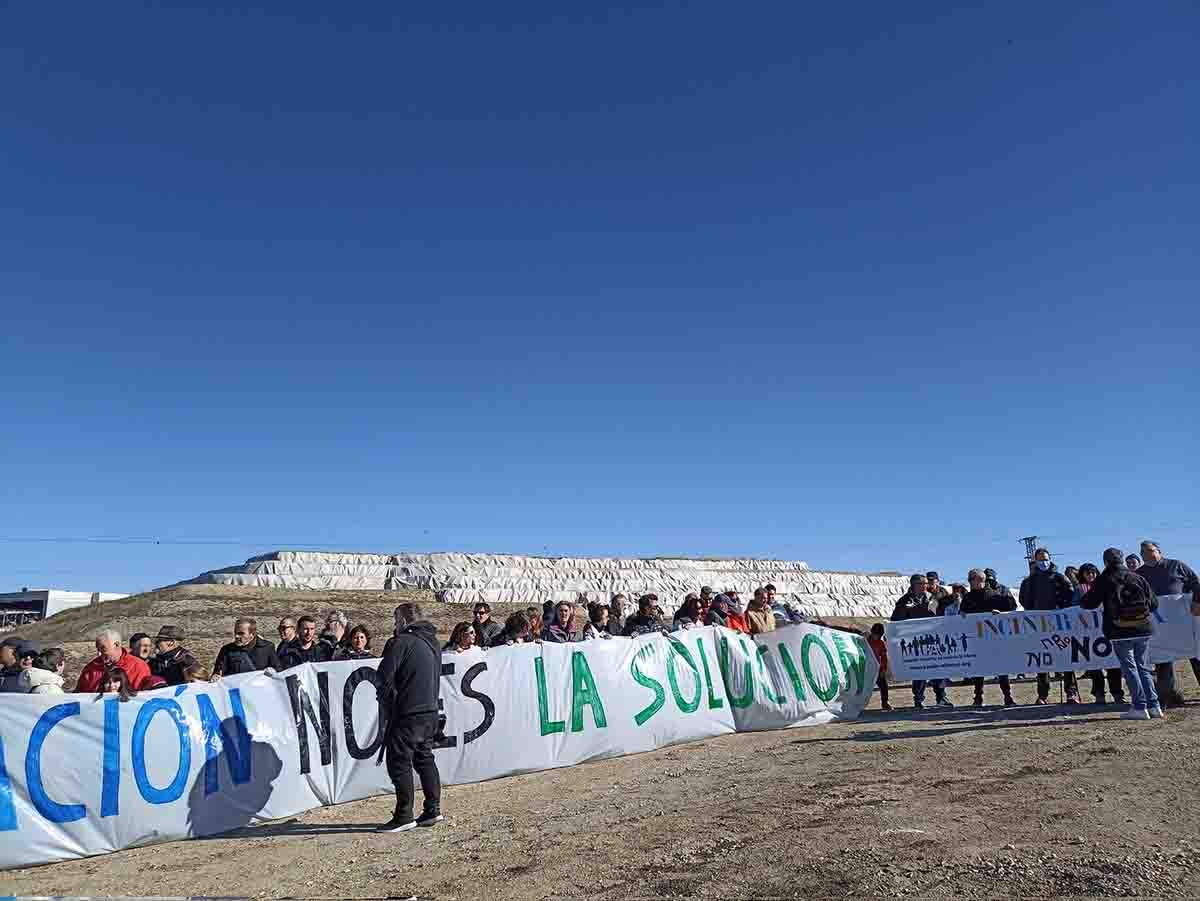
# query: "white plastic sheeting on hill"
505,578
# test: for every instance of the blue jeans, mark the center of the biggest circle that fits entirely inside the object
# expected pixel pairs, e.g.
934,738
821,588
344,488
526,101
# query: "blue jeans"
1139,675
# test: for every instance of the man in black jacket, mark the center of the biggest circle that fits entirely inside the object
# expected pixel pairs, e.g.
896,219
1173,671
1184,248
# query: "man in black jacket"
981,599
246,653
305,647
1166,576
915,604
647,619
1045,588
410,675
486,628
1128,602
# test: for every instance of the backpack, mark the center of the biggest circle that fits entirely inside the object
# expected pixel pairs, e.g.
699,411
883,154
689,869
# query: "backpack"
1133,606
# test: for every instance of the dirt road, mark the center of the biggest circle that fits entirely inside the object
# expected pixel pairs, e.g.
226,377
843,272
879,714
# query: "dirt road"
1031,802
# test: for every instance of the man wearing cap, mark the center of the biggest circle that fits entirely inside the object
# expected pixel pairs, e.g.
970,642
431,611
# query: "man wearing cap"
172,659
914,604
990,581
1167,576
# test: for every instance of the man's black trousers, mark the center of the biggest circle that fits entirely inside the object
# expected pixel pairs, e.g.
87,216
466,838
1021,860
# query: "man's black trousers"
409,747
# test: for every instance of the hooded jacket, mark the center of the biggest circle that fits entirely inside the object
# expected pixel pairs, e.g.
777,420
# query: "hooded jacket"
1105,593
985,600
233,658
1049,590
10,679
41,682
910,606
170,666
293,654
410,672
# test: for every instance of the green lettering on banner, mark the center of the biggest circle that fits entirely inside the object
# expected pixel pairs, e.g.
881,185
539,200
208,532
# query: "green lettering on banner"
549,726
584,694
714,703
768,688
660,696
678,649
790,665
853,660
723,659
834,683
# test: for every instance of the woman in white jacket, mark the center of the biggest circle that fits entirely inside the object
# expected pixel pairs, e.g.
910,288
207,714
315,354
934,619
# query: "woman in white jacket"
45,676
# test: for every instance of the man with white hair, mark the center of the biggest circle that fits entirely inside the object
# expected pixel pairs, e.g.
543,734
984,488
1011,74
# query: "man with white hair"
109,653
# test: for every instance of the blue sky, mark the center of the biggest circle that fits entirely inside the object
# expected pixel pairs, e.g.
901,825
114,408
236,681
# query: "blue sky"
873,287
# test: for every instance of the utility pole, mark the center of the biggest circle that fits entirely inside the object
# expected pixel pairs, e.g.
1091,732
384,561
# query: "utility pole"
1031,543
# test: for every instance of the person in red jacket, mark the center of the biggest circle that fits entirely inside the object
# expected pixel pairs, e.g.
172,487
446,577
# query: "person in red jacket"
878,644
110,653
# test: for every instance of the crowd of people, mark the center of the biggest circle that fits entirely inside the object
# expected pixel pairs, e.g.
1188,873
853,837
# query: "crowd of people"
1125,589
148,663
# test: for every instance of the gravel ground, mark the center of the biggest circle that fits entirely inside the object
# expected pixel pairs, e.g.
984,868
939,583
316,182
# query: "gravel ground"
1032,802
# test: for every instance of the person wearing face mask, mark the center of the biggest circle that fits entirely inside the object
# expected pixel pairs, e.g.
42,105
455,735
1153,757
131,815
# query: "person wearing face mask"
1045,588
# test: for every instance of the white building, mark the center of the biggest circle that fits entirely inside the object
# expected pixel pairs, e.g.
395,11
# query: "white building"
32,604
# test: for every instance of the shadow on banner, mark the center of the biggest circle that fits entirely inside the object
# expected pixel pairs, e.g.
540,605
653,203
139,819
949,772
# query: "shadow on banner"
235,784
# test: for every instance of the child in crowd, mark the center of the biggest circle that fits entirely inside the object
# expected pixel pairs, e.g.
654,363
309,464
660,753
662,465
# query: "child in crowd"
879,646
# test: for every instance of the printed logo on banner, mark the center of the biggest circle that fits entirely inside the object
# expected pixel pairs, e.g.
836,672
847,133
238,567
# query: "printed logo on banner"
1028,641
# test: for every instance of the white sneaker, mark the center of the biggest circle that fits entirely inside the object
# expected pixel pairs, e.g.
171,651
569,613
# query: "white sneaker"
1134,714
1156,713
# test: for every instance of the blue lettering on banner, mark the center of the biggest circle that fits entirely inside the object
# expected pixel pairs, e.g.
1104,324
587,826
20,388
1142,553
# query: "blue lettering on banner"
50,809
140,726
110,785
237,753
8,811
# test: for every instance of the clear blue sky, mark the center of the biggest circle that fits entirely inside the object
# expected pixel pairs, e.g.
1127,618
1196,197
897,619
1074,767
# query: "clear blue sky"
872,287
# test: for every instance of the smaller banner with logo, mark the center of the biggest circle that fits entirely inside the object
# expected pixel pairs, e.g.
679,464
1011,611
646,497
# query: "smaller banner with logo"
1029,641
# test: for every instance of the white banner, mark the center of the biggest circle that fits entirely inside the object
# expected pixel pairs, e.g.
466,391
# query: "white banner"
82,776
1029,641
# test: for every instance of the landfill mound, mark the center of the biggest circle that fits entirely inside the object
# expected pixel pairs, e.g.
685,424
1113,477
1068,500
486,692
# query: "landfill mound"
461,578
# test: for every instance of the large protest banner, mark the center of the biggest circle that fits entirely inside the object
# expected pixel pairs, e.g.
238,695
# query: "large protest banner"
81,775
1029,641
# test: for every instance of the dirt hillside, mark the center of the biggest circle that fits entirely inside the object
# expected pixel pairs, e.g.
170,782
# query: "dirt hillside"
206,614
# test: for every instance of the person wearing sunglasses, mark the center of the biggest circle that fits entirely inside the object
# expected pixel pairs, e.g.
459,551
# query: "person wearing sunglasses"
487,630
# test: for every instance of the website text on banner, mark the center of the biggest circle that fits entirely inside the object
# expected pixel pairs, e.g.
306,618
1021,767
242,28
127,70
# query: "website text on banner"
1029,641
86,776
